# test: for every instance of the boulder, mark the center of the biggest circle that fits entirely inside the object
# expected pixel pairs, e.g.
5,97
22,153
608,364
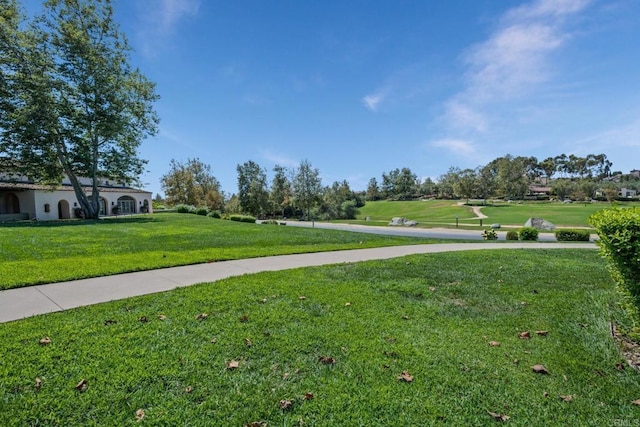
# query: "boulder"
539,224
397,221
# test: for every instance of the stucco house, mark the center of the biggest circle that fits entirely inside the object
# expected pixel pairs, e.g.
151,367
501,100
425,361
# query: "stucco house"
21,199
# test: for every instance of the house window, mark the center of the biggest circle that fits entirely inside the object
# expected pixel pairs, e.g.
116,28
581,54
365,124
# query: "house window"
126,205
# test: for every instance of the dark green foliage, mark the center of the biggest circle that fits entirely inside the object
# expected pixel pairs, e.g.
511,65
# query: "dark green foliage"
528,233
489,234
619,232
215,214
185,209
270,222
573,235
201,211
242,218
512,235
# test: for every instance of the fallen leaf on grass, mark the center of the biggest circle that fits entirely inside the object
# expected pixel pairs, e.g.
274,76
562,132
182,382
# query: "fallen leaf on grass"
567,398
524,335
542,333
244,318
143,319
636,402
202,316
214,340
308,396
405,317
189,389
494,344
539,369
45,341
248,342
139,414
263,300
347,304
38,383
109,322
286,404
326,360
405,376
302,297
234,364
256,424
162,317
499,417
82,385
619,367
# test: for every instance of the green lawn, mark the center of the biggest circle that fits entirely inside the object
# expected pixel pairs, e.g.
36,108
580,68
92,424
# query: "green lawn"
45,252
444,212
327,346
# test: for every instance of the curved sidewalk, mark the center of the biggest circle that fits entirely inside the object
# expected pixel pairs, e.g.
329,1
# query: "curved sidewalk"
33,300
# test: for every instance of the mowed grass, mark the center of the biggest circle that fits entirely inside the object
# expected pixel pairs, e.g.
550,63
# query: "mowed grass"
444,212
326,346
35,253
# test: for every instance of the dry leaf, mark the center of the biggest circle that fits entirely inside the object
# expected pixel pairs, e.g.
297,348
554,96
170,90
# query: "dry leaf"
347,304
619,367
82,385
214,340
109,322
432,289
405,317
244,318
302,297
189,389
494,344
516,361
162,317
248,342
256,424
143,319
263,300
545,394
139,414
308,396
326,360
636,402
405,376
45,341
542,333
499,417
524,335
567,398
38,383
286,404
234,364
539,369
202,316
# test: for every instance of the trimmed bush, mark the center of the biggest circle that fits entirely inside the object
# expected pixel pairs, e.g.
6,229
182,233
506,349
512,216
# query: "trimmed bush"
512,235
489,234
242,218
573,235
215,214
270,222
528,233
619,233
182,208
201,211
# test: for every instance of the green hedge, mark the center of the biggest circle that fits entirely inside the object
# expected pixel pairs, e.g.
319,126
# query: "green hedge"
619,233
528,233
242,218
573,235
512,235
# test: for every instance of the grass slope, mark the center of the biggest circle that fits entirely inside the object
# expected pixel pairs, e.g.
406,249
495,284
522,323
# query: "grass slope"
34,253
333,341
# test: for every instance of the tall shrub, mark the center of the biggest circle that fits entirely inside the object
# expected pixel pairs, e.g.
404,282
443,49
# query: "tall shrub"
619,240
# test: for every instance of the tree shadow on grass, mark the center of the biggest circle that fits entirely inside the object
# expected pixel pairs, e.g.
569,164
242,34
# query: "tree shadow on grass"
74,222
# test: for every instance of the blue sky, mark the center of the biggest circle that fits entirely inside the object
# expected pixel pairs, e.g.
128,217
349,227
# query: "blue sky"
359,88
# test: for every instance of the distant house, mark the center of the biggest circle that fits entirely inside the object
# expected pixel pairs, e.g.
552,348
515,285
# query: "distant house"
21,198
635,172
628,193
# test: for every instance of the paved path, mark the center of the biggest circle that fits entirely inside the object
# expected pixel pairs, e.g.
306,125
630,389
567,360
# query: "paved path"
24,302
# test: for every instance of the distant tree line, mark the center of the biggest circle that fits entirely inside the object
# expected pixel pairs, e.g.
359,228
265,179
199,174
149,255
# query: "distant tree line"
298,192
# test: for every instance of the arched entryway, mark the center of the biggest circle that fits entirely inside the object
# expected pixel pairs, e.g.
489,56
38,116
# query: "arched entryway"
63,210
103,206
126,205
9,203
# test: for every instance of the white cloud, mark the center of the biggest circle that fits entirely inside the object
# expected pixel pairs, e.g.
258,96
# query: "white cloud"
461,115
456,146
372,101
169,12
159,19
280,159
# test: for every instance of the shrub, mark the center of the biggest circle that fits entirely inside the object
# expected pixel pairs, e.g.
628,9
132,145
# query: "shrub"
182,208
215,214
528,233
242,218
489,234
201,211
512,235
619,233
270,222
573,235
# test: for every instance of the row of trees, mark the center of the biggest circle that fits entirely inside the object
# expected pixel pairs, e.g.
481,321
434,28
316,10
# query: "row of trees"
507,177
291,192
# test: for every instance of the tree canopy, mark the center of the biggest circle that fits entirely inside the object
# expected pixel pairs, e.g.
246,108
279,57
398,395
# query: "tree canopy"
71,103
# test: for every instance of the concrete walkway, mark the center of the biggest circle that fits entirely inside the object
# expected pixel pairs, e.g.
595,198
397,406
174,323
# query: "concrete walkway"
24,302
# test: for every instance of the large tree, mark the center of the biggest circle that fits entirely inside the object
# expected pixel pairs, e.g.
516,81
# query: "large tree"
72,104
192,183
252,188
280,195
307,187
